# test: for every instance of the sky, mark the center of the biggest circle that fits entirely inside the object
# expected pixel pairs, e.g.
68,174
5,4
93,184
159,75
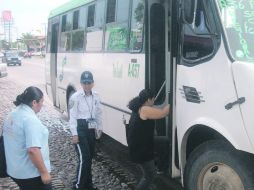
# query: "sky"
28,15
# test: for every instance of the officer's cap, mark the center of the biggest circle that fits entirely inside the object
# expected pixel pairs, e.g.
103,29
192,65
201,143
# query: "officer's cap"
86,77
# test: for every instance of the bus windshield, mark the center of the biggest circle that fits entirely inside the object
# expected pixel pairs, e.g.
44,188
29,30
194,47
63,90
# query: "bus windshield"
238,20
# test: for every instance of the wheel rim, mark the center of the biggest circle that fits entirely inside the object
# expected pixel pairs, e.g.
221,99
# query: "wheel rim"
218,176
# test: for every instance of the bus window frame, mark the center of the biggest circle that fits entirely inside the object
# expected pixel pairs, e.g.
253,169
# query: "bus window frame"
214,33
87,16
80,9
65,32
144,28
95,28
117,23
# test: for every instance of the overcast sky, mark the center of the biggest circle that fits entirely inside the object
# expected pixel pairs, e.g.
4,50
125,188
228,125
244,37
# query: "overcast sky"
29,15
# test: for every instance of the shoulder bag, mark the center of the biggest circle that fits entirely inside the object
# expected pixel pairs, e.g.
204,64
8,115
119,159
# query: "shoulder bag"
3,172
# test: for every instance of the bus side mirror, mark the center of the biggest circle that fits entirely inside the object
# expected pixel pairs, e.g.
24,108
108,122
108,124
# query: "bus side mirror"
189,7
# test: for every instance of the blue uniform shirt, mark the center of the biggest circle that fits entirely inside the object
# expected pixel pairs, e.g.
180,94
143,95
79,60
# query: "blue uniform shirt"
22,130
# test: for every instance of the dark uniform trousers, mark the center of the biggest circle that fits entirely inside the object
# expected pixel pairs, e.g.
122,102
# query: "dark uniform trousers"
85,151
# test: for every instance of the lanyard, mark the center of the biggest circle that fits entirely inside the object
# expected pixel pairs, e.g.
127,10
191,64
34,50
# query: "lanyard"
90,110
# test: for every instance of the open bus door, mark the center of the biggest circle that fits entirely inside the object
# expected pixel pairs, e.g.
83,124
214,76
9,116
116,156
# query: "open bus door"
159,69
53,61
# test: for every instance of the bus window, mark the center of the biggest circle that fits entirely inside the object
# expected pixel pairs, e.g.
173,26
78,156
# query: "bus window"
64,18
100,10
137,21
111,9
82,17
94,34
77,43
122,10
75,20
66,26
78,37
65,42
116,35
197,42
90,17
66,22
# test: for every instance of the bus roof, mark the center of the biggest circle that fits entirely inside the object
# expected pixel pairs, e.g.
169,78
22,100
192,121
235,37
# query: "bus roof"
72,4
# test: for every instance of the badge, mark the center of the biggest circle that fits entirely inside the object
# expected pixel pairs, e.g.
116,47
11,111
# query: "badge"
92,123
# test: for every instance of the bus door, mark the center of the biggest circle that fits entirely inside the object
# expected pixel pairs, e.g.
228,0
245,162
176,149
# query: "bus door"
158,63
156,57
53,61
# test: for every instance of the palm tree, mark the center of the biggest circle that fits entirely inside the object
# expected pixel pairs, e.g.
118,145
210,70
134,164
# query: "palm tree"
27,39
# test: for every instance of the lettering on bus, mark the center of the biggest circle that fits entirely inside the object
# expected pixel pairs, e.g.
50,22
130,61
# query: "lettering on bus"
133,70
238,17
117,70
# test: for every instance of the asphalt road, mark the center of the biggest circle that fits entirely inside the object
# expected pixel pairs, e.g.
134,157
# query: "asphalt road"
31,72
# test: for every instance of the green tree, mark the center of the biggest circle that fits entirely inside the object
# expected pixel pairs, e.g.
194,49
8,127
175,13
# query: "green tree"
139,11
4,45
27,39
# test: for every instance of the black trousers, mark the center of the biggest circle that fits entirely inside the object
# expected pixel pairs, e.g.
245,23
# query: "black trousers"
85,151
32,184
162,155
149,172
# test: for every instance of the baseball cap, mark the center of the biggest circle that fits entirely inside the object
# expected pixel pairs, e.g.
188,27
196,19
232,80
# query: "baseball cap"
86,77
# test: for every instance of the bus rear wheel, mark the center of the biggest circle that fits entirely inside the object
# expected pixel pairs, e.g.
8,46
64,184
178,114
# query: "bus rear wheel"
216,165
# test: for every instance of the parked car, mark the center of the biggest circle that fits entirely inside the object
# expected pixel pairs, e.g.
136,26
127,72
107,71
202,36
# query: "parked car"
37,53
11,57
3,70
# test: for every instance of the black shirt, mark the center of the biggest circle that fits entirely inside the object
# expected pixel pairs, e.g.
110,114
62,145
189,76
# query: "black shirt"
140,139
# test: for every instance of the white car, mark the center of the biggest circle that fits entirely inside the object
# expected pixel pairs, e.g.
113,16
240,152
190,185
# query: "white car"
37,53
3,70
1,54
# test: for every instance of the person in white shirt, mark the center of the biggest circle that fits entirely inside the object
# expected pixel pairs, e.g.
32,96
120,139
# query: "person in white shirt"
85,125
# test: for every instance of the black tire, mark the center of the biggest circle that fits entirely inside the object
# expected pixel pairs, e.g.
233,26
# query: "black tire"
217,165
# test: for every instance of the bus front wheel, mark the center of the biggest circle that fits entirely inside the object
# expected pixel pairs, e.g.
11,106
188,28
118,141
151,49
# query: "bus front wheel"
217,165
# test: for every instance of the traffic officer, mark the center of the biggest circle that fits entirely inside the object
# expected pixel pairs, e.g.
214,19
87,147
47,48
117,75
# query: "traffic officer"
85,125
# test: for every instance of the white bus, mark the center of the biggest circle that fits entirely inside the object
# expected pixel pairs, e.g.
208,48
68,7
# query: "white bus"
199,56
